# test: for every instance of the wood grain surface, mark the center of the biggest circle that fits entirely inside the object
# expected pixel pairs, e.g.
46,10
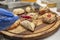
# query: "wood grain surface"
23,33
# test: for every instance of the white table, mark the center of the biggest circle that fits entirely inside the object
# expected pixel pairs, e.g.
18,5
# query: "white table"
55,36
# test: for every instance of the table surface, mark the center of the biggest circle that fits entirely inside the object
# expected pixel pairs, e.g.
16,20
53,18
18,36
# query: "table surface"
55,36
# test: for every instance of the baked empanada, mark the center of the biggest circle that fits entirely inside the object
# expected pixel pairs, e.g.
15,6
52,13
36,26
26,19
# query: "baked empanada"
27,24
18,11
49,17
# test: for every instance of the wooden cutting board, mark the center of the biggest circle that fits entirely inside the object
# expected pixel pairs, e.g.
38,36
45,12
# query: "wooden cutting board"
40,31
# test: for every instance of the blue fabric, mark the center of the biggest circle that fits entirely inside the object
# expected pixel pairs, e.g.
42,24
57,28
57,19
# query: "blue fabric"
4,12
6,19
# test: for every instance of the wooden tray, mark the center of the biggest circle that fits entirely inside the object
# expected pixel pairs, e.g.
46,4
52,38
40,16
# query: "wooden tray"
43,31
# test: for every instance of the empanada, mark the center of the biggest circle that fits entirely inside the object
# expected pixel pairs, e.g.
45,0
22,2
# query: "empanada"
27,24
18,11
49,17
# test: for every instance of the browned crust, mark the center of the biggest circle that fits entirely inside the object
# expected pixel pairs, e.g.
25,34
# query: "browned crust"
14,25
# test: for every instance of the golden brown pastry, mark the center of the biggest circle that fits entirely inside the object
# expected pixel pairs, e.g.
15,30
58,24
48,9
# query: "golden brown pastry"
33,15
43,10
28,25
28,9
49,17
14,25
18,11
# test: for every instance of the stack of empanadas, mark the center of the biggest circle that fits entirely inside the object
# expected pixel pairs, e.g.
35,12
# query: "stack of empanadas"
31,18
